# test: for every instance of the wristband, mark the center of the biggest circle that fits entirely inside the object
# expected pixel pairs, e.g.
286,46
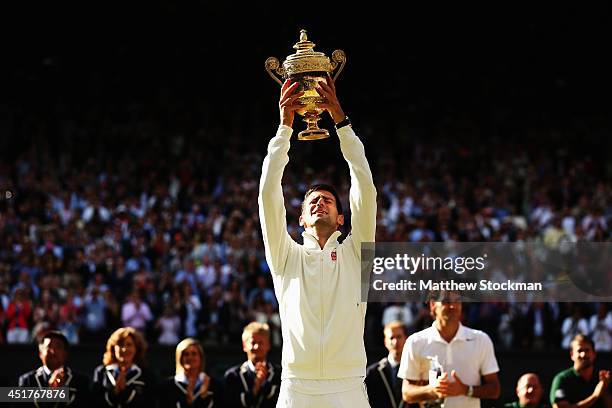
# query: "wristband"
345,122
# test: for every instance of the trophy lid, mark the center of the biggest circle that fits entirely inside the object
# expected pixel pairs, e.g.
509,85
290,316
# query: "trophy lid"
306,59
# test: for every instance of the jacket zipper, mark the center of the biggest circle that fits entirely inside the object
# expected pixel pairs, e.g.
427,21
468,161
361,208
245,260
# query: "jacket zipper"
322,315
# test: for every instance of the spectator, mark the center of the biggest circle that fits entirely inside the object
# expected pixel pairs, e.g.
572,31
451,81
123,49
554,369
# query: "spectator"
95,315
17,316
170,326
69,315
190,310
581,385
256,382
600,328
233,311
53,353
190,386
136,313
122,380
573,325
263,292
382,384
529,392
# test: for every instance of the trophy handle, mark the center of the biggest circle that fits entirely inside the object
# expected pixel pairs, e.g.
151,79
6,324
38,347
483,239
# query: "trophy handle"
272,66
338,61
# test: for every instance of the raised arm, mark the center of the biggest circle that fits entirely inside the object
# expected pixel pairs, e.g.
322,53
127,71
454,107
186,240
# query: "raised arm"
362,196
272,212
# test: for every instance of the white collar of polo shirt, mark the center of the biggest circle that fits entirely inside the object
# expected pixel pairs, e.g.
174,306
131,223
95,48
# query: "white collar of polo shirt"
462,334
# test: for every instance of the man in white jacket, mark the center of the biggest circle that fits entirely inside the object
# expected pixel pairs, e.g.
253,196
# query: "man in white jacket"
317,284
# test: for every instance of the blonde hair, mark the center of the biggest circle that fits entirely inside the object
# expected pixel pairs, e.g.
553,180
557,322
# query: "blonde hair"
255,327
181,347
119,336
581,338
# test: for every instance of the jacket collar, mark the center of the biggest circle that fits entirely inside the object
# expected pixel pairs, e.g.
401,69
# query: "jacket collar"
245,368
133,373
310,242
43,374
41,377
182,383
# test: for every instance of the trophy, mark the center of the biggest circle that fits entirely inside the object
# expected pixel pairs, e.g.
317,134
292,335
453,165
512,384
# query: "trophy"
308,68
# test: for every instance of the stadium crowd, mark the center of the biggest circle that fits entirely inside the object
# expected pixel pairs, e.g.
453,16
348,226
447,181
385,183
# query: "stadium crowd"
116,223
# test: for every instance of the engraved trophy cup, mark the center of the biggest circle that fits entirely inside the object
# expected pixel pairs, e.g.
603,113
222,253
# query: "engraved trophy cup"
307,67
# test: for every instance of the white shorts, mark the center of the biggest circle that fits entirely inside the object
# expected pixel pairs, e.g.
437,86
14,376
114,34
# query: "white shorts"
292,395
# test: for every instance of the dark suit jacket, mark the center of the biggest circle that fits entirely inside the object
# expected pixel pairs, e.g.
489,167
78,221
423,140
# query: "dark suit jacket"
381,391
239,382
173,394
138,390
78,387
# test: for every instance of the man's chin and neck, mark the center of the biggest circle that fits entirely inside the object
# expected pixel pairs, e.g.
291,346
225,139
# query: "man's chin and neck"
321,230
583,366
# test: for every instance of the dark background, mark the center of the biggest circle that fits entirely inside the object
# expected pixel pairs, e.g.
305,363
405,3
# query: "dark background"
501,70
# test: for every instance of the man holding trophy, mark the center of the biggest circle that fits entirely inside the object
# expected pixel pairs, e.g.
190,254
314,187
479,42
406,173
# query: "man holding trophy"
318,283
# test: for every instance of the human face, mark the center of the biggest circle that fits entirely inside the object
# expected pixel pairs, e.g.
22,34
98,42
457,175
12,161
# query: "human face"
582,354
256,346
52,353
448,310
191,359
529,390
394,341
125,351
320,209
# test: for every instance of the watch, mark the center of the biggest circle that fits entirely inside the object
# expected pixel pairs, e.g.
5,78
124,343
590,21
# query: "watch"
470,391
345,122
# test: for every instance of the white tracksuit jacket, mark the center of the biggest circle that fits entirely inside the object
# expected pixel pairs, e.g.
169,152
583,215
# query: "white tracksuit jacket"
319,296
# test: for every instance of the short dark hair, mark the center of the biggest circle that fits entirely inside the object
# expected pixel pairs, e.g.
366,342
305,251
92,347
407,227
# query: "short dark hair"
444,295
324,187
53,334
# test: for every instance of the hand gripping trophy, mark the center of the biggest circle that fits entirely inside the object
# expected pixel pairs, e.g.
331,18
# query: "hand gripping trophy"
307,67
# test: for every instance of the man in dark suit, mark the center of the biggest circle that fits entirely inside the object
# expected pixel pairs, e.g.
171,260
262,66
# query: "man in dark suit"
256,382
53,353
383,385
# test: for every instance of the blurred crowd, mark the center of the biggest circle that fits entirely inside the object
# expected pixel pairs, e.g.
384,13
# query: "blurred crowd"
124,207
166,238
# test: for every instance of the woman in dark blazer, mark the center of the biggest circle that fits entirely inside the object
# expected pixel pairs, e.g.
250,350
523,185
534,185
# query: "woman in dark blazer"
122,381
190,386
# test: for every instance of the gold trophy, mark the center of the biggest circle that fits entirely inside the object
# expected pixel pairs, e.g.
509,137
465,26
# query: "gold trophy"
308,68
